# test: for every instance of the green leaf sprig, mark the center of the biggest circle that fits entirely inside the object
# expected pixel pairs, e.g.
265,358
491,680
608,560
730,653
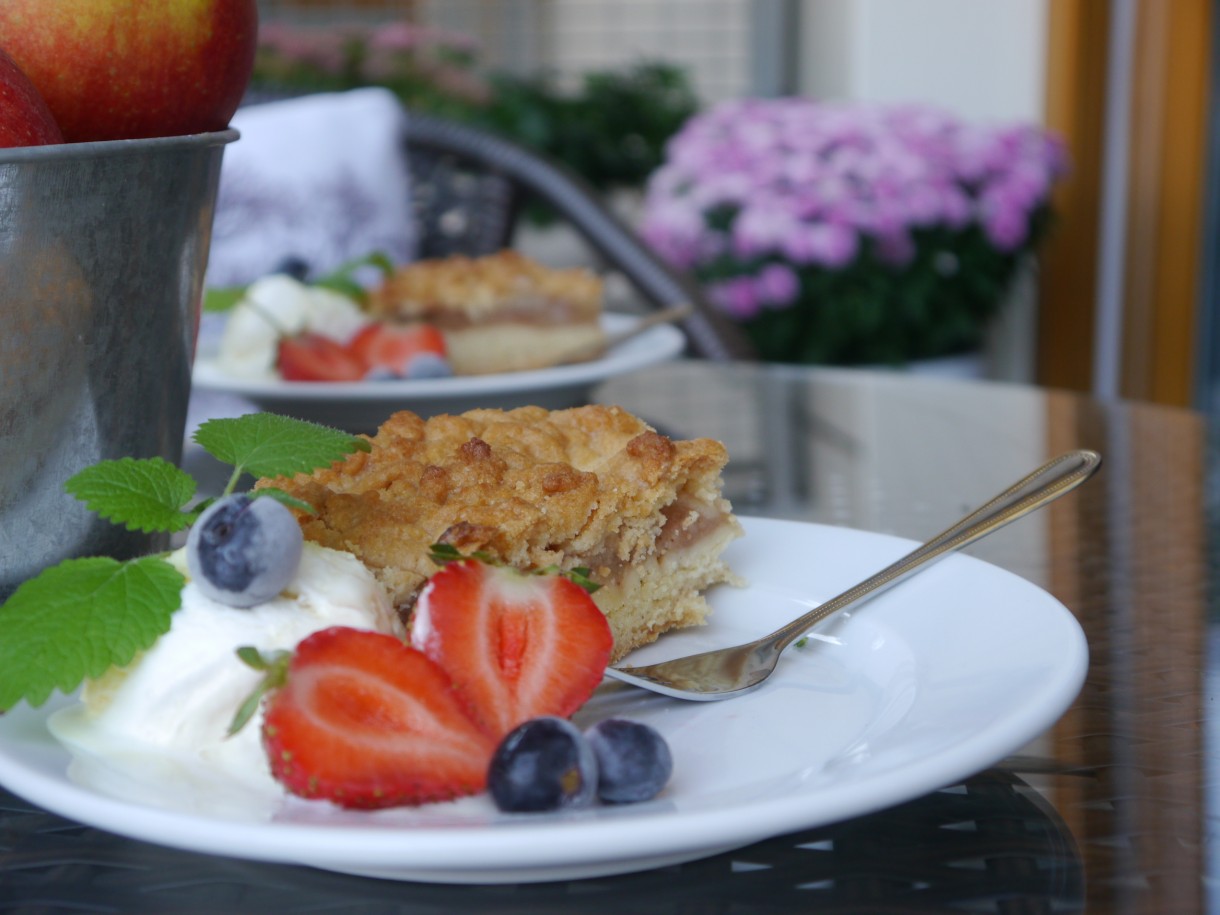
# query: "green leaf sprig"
77,619
342,280
273,665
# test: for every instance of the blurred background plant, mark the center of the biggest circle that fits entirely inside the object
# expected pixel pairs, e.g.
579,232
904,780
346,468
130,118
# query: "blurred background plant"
429,68
853,234
611,130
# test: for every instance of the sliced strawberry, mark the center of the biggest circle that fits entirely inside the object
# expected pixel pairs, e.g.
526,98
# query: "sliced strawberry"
394,349
515,645
365,721
312,357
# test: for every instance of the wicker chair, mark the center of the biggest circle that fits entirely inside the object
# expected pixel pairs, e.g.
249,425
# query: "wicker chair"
468,190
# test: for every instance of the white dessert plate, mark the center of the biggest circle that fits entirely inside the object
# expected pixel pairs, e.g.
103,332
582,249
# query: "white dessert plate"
931,682
361,406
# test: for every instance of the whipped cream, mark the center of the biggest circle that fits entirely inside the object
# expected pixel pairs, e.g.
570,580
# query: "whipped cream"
175,702
277,306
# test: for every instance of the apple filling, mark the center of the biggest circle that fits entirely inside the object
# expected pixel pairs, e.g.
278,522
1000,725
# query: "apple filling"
644,597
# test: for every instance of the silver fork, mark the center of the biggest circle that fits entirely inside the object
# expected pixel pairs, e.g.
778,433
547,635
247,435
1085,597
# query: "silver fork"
727,672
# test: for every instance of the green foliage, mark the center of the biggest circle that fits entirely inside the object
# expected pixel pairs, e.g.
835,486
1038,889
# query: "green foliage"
444,553
273,666
611,130
144,495
222,299
81,617
268,445
341,280
78,619
871,312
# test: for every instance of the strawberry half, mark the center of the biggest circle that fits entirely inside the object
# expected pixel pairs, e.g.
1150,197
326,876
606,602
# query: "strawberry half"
397,350
313,357
362,720
516,646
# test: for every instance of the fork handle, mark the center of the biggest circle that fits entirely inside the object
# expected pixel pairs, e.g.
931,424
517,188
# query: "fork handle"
1047,483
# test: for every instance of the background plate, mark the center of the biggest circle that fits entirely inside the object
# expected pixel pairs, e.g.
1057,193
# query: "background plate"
363,405
930,682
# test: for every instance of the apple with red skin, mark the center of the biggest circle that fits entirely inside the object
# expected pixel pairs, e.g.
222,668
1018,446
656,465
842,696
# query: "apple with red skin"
25,119
128,69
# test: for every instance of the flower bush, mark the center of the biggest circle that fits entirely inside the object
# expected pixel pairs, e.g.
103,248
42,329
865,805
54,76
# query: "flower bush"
612,130
429,68
849,234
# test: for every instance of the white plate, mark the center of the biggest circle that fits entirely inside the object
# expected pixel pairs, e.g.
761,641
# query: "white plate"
931,682
361,406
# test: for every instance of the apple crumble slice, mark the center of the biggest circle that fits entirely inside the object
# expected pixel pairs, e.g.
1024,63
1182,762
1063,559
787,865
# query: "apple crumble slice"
499,313
587,487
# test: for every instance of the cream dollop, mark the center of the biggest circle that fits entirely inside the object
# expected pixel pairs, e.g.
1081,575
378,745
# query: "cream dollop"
178,698
277,306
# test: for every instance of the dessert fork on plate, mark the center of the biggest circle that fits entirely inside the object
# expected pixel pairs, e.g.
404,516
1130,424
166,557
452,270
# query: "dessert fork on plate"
727,672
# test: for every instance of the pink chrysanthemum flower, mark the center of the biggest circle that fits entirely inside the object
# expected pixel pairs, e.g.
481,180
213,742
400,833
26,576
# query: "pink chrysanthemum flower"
775,201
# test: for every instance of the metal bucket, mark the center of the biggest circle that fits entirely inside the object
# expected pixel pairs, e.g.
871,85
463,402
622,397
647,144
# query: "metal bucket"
102,253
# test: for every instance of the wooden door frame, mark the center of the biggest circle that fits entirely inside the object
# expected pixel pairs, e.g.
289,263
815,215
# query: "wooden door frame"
1165,196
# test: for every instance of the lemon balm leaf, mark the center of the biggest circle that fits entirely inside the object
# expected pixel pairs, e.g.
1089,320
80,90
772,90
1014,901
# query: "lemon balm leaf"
146,494
268,445
342,279
78,619
270,492
223,299
81,617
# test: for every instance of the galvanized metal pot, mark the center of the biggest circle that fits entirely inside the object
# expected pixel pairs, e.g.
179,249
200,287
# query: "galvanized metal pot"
102,253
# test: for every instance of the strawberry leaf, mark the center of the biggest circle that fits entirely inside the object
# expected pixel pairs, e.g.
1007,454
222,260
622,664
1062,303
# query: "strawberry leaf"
444,553
580,576
78,619
267,445
143,495
274,667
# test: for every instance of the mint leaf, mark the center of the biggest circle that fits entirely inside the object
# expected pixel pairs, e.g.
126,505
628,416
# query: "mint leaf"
78,619
143,495
341,279
225,299
342,285
283,498
267,445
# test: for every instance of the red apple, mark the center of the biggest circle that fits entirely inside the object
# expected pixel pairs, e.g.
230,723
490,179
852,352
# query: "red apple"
25,119
124,69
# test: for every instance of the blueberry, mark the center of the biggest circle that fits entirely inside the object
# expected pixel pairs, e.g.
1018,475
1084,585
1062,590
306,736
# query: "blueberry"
633,760
244,551
293,266
427,365
543,764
